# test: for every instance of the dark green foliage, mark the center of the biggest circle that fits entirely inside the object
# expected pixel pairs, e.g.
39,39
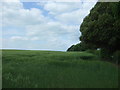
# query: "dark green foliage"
102,28
87,57
116,57
106,54
81,47
71,48
95,52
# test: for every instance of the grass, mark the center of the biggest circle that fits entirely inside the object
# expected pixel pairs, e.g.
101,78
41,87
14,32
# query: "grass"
0,69
54,69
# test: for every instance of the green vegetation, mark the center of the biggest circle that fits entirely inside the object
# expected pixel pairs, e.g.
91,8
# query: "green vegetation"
100,29
53,69
82,47
84,69
0,69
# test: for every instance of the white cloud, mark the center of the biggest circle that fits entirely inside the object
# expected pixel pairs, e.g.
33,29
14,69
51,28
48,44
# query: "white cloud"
11,1
18,38
68,17
31,29
15,15
35,38
69,12
58,8
51,29
55,34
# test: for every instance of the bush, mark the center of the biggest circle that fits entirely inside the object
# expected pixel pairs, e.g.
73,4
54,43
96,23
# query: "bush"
71,48
105,54
90,51
88,57
116,57
96,52
82,47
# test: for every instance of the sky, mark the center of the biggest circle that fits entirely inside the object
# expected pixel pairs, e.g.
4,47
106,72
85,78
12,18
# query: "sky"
42,25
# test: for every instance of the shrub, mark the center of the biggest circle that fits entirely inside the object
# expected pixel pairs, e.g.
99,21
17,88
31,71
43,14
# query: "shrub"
116,57
87,57
105,54
96,52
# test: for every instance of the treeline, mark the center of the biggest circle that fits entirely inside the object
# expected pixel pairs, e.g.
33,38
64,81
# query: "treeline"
101,30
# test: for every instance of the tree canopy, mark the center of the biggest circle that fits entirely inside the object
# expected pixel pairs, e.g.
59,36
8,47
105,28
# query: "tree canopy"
101,26
101,29
81,47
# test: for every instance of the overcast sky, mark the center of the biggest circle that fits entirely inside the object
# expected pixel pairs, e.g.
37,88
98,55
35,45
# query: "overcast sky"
42,25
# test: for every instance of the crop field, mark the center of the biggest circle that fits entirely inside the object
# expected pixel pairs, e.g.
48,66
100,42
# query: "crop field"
55,69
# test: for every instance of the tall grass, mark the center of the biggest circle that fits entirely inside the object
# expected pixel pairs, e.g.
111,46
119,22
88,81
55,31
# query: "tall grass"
52,69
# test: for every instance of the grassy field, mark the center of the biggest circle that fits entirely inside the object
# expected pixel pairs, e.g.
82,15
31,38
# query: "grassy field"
53,69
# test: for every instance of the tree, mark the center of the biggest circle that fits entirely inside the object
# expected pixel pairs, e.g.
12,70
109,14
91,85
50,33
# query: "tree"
71,48
81,47
101,27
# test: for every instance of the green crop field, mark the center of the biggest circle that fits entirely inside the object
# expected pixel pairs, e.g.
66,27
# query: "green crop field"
54,69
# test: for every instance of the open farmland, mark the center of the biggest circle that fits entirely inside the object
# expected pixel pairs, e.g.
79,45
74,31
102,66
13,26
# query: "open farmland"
54,69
